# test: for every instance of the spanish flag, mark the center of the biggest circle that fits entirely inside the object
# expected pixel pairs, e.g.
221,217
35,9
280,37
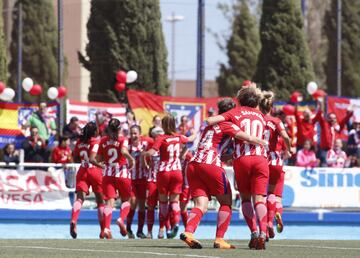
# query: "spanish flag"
146,105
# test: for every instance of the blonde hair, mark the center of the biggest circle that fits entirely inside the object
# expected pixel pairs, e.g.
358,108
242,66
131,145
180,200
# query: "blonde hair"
266,102
168,124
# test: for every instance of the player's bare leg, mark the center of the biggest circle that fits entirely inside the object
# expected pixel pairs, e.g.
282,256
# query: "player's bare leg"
196,213
261,214
107,217
80,196
278,215
141,218
133,205
100,207
124,212
250,218
223,221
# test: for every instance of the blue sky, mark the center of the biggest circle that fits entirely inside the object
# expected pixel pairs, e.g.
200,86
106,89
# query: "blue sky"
186,33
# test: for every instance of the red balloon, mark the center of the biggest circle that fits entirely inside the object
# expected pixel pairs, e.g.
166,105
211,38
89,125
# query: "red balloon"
62,91
120,86
289,110
35,90
121,76
2,87
319,94
246,83
296,97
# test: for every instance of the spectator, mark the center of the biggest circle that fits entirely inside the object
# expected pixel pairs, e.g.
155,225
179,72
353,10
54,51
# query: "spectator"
353,144
186,130
72,130
130,121
156,123
45,124
102,120
336,157
306,157
10,154
305,126
62,153
35,147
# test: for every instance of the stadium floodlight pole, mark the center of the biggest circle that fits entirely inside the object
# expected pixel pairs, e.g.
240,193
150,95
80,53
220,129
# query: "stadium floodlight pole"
200,49
173,19
19,51
338,45
60,60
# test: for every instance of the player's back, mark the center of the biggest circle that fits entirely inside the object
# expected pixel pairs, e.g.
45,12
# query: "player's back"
84,149
135,150
212,142
273,128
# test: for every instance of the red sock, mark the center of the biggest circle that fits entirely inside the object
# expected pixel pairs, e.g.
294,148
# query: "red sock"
193,220
279,207
271,208
175,213
184,217
107,216
130,218
76,210
261,214
124,210
101,215
163,213
167,224
249,215
150,217
141,221
223,220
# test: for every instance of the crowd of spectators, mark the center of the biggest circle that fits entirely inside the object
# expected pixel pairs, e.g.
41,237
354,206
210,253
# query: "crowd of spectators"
315,135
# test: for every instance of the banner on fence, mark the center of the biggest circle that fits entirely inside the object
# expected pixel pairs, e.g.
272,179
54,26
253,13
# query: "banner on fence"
33,190
14,118
89,111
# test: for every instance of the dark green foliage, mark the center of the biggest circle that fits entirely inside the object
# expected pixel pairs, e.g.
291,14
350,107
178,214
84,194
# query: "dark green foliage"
39,45
242,50
3,68
350,49
284,64
125,35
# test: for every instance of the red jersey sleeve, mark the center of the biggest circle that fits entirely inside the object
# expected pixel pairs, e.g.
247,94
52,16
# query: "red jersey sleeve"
183,139
157,143
279,125
229,128
94,146
124,143
150,143
229,115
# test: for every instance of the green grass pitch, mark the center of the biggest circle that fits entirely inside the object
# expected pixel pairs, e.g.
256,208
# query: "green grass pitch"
173,248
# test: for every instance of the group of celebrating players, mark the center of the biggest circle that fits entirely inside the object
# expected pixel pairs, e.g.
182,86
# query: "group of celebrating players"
143,172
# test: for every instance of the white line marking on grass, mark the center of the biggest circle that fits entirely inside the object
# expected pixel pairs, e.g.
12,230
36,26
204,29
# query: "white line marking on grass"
105,251
318,247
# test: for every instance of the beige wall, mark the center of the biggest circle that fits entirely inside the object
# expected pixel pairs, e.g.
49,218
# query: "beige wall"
187,88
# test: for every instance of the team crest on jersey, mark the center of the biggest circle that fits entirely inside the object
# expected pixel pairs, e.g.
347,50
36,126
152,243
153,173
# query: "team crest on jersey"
194,111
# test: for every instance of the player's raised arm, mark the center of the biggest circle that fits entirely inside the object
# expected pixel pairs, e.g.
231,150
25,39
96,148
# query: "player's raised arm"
250,139
215,119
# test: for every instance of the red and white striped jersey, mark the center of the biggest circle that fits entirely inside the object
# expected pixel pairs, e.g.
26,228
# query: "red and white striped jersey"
169,147
251,121
84,149
154,167
115,161
135,150
212,141
274,126
276,157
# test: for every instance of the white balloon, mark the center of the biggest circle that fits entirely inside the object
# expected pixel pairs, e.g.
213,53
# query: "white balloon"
312,87
131,76
27,84
8,94
53,93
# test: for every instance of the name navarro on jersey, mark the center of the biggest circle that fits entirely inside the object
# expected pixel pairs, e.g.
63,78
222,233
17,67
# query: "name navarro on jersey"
246,112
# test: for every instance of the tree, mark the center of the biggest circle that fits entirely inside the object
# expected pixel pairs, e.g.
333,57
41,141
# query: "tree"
284,64
39,45
125,35
242,50
350,49
3,68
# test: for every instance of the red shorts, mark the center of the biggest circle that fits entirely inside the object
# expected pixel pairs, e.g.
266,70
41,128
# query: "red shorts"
185,195
169,182
116,186
207,180
152,194
276,178
252,174
87,177
138,188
